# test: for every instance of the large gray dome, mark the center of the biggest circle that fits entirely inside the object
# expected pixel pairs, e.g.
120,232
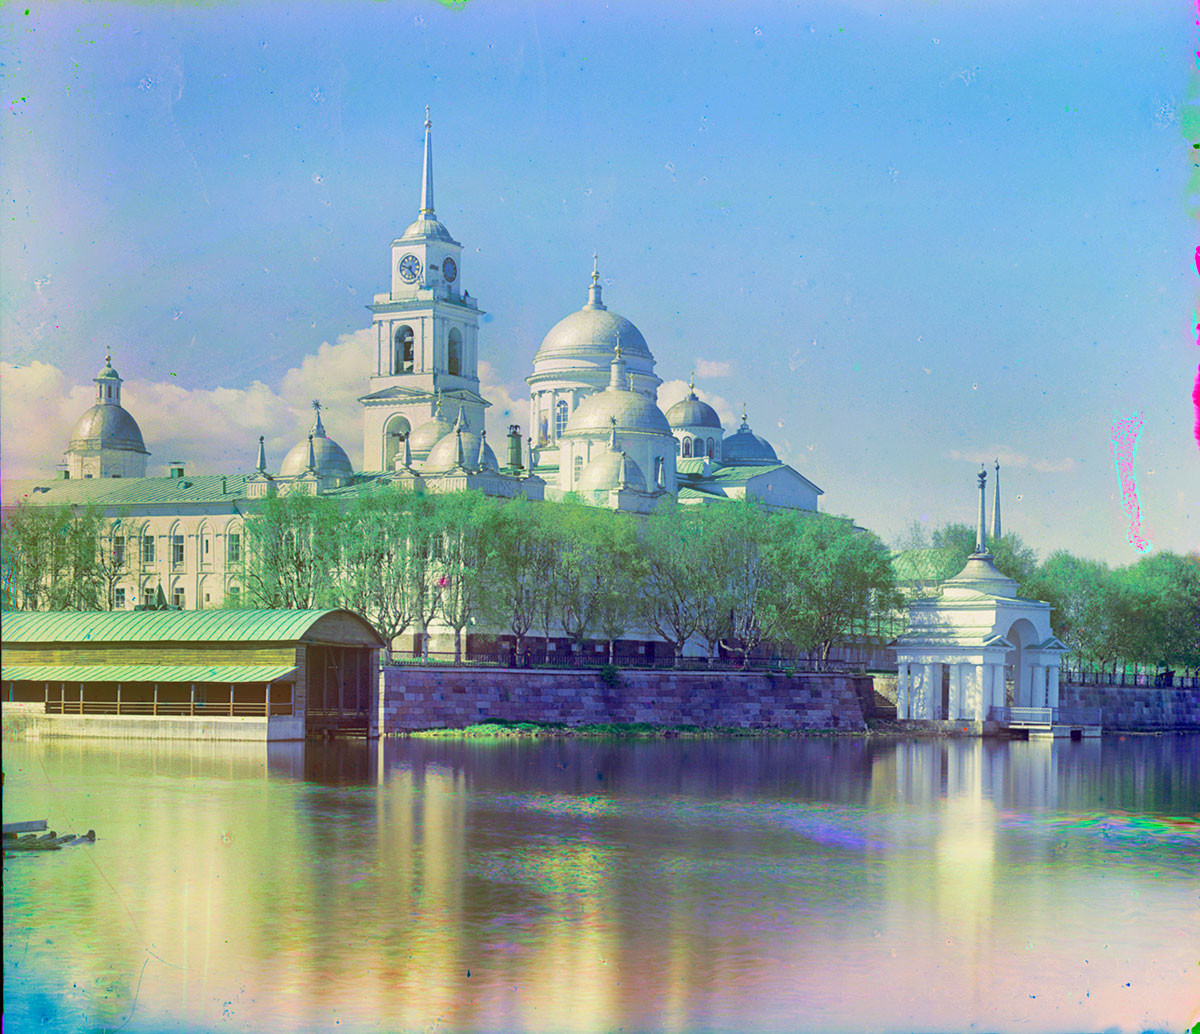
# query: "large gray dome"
107,426
632,411
746,447
331,459
594,332
691,412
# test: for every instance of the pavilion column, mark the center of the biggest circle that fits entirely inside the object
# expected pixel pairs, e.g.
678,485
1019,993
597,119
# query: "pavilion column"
118,698
268,696
999,686
1052,686
192,705
957,694
972,692
902,690
1037,686
231,700
931,693
154,706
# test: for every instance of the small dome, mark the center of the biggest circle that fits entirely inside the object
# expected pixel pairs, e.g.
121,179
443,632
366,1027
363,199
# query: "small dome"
746,447
691,412
426,229
107,426
331,458
428,434
631,410
444,455
604,473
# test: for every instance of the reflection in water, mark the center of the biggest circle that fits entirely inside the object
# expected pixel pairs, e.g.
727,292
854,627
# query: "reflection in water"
574,885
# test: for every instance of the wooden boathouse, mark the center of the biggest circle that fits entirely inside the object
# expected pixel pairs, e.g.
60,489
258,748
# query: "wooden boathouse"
206,674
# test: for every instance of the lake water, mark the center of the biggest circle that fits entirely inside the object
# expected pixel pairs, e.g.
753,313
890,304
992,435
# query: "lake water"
571,885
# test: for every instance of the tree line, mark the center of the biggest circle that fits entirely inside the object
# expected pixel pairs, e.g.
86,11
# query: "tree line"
734,576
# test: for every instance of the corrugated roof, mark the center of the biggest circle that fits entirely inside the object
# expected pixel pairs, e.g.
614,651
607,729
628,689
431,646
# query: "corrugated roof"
695,493
205,488
166,673
162,626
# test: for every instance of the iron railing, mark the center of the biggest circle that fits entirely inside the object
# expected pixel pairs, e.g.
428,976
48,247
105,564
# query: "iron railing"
1165,679
217,709
1021,716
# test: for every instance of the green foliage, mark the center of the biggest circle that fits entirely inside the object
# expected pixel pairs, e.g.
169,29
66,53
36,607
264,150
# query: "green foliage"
52,558
1013,558
610,675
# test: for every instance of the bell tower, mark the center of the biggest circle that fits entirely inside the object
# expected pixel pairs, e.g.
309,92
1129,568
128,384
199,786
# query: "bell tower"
426,334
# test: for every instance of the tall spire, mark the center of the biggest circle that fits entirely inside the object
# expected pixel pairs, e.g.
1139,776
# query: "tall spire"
996,506
692,385
594,301
262,456
312,455
427,175
981,536
482,463
318,428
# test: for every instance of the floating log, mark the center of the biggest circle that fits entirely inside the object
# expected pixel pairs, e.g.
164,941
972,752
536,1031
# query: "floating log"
50,841
34,826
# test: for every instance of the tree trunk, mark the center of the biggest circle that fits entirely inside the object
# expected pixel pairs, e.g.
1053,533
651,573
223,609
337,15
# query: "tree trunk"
458,646
612,650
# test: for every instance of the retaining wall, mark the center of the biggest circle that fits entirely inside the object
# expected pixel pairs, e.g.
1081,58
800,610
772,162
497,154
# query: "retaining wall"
29,721
453,698
1133,708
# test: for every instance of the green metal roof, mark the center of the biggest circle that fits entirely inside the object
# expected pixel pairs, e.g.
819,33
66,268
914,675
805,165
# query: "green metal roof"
205,488
179,626
696,493
166,673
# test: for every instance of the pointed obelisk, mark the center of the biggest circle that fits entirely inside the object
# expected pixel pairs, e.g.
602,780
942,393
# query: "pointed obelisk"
981,535
996,506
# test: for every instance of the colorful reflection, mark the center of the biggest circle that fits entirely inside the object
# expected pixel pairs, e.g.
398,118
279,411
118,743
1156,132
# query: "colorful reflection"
571,886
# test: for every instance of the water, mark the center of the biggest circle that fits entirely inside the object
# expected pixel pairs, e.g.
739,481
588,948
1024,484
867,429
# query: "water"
741,885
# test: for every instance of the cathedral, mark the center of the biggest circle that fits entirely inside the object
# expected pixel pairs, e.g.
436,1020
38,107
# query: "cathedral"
596,432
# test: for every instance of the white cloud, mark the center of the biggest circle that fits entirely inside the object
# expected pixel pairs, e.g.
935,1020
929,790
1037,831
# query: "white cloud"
670,392
215,430
1016,460
713,368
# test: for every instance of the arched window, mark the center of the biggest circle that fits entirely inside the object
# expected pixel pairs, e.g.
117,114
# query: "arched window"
658,471
698,447
578,470
712,448
687,448
108,390
402,352
454,352
394,433
560,417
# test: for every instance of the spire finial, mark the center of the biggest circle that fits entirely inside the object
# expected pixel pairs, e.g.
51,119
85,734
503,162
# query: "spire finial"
437,405
261,465
996,505
744,424
981,536
623,478
482,462
612,433
108,355
594,300
617,380
692,384
460,460
427,174
629,375
318,428
312,454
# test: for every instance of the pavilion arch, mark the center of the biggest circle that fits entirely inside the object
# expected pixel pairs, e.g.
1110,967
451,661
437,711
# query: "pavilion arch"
395,431
1022,635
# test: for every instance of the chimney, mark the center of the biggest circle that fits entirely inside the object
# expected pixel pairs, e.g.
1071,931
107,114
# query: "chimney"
176,467
514,447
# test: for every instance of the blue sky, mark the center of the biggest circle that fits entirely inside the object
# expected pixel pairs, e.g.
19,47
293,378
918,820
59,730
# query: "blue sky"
907,235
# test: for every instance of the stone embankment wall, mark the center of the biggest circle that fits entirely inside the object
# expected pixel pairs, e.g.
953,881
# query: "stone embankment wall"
453,698
1130,708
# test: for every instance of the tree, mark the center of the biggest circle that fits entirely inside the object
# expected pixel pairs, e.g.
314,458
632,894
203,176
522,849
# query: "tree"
50,557
576,577
463,519
292,553
736,573
620,576
825,575
1163,591
673,583
424,566
1013,558
520,568
376,567
1085,605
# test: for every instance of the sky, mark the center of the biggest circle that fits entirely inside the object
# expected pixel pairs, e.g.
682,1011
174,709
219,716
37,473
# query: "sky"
909,236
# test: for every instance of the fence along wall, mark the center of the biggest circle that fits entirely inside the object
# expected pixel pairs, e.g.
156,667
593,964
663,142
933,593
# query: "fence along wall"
1137,708
412,699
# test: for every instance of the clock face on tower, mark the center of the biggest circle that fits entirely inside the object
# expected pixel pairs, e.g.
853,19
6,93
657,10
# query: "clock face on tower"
449,270
410,269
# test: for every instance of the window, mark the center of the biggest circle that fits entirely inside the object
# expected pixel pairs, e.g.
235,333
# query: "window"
578,468
687,448
698,447
235,595
205,547
234,551
118,551
118,599
712,448
402,351
147,549
177,598
176,550
658,470
454,352
560,417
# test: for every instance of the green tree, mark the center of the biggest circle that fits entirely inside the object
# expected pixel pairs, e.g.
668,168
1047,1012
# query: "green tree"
292,552
1012,557
673,587
51,557
1086,609
1161,598
824,575
463,520
576,577
620,576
